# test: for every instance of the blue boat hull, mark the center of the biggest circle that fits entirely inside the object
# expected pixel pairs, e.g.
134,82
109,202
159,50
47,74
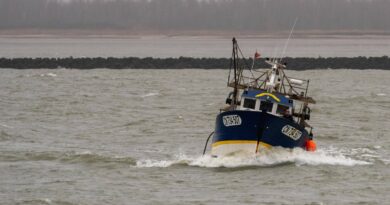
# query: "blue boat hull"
241,130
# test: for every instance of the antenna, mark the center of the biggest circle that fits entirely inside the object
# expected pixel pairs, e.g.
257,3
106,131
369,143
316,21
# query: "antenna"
288,39
274,54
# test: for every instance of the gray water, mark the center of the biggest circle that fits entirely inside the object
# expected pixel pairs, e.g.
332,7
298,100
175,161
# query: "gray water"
191,46
136,137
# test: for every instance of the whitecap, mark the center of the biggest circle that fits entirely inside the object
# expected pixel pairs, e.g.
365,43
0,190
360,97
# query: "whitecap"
156,163
52,74
381,94
86,152
377,147
49,75
7,126
385,161
149,95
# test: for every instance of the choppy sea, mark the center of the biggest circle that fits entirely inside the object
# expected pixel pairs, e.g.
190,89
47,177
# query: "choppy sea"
136,137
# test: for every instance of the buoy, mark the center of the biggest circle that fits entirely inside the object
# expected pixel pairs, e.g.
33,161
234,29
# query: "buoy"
311,145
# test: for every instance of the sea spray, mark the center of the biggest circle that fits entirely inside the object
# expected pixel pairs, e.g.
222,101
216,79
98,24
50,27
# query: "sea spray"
265,158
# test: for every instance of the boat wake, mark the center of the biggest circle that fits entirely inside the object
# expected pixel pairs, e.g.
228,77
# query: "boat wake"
267,158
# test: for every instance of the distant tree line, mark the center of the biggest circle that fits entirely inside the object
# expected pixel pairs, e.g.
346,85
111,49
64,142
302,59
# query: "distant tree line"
166,15
199,63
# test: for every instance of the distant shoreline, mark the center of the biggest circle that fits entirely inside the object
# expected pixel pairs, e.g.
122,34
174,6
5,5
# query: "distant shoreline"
126,33
382,63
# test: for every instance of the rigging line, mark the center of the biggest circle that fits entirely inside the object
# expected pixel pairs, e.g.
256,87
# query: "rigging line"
289,83
237,57
288,39
246,64
235,71
274,54
230,68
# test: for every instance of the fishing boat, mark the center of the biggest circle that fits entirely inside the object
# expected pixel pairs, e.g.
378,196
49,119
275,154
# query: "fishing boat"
266,109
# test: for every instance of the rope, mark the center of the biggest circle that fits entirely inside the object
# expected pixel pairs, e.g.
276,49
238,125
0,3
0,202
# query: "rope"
245,61
207,141
260,132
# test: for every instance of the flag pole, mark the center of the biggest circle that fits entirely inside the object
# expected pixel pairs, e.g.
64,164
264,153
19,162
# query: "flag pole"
256,56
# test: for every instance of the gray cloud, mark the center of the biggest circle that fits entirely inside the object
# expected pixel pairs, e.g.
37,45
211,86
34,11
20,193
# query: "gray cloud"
219,15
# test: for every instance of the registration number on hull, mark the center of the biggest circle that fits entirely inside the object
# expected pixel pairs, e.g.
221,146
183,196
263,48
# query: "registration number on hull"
291,132
231,120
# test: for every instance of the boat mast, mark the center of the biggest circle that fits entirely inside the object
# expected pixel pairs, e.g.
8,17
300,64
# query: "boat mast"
235,67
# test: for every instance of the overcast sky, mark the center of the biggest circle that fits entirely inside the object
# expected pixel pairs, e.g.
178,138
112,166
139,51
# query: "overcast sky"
205,15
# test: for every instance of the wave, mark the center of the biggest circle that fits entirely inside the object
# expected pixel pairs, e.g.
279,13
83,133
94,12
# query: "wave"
85,157
4,136
7,135
45,201
48,75
149,95
90,157
266,158
6,126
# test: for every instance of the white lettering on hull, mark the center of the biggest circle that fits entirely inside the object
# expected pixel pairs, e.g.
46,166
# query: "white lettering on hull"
291,132
231,120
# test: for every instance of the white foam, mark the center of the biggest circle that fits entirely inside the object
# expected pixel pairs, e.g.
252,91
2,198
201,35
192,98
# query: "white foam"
273,157
52,74
381,94
377,147
386,161
149,95
49,75
156,163
7,126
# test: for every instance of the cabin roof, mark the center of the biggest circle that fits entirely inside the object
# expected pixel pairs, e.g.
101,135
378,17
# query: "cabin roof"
266,96
290,96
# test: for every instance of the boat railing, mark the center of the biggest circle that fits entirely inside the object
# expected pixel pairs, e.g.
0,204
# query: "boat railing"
296,88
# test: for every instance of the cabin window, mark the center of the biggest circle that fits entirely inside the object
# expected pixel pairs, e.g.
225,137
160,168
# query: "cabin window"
249,103
267,106
282,109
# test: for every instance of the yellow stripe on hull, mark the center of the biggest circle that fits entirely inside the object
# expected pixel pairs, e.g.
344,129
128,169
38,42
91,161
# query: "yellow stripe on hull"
240,142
